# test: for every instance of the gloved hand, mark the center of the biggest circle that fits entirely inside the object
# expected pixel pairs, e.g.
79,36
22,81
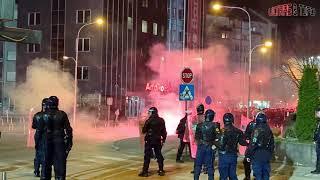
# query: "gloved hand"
214,147
248,159
69,145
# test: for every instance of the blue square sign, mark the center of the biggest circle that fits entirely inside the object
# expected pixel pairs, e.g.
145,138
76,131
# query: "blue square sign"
186,92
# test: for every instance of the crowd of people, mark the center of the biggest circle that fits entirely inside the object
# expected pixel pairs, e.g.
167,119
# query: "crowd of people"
53,140
211,139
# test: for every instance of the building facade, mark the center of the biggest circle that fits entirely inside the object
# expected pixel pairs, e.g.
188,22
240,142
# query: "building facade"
8,63
112,58
176,24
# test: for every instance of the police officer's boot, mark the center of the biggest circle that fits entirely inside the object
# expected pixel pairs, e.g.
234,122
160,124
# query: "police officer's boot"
317,171
36,168
143,174
161,171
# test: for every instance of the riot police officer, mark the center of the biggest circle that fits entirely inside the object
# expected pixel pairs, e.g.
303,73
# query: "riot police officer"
39,141
316,139
198,119
206,134
228,149
246,162
156,135
59,140
261,148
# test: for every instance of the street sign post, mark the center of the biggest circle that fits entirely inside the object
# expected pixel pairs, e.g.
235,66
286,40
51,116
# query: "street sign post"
187,75
186,92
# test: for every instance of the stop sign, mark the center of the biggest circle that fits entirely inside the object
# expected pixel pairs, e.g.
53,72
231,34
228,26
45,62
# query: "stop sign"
187,75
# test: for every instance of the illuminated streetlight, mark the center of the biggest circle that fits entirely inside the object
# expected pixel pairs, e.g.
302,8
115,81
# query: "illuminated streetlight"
263,50
99,22
268,44
216,6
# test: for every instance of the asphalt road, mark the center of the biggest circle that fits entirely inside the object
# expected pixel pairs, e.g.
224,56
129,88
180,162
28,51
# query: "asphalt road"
116,159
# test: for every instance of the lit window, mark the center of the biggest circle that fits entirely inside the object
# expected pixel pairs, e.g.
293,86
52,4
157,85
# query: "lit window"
130,23
84,45
174,12
145,3
11,76
83,16
162,30
224,35
155,28
33,48
144,26
83,72
34,18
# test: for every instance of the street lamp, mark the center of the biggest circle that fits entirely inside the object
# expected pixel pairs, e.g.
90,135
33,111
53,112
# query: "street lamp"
216,7
99,21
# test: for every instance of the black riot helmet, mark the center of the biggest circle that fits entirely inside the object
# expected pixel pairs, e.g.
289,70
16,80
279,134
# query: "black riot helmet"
200,109
55,101
153,111
228,119
261,118
209,115
44,104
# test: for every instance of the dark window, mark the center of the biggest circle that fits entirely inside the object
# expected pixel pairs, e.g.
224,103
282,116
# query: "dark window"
87,16
60,45
61,17
37,18
54,4
79,72
83,16
80,16
181,14
180,36
61,4
33,48
86,44
31,19
54,17
36,47
61,31
54,55
1,67
54,45
54,31
83,72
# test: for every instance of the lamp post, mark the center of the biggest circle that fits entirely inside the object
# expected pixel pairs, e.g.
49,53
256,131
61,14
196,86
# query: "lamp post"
99,22
218,7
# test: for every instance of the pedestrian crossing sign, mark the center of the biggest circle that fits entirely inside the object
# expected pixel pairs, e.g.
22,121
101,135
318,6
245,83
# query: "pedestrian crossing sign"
186,92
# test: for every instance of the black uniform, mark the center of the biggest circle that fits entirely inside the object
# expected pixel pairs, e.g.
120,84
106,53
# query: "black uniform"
37,123
206,136
180,131
316,139
156,135
246,163
39,142
59,137
261,148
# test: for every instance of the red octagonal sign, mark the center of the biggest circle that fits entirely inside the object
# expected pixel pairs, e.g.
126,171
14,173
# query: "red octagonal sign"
187,75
